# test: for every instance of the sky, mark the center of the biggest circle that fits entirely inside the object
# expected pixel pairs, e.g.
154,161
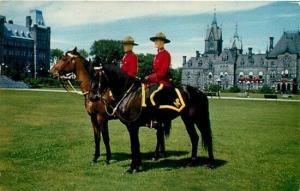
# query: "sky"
80,23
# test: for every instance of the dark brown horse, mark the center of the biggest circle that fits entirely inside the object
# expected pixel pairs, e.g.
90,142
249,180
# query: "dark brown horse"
72,62
128,93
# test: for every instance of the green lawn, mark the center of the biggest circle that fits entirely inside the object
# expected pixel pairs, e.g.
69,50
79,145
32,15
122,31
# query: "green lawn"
46,143
258,95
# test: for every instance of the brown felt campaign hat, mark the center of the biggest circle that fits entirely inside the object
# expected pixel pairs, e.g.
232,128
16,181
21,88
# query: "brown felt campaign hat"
129,40
160,36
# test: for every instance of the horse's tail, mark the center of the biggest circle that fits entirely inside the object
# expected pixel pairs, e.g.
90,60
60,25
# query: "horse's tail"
167,128
199,101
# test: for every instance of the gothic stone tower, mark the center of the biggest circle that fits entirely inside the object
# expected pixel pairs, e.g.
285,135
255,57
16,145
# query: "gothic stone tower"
213,40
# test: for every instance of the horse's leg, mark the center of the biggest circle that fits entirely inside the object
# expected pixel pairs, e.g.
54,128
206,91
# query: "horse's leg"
105,136
206,135
190,127
135,149
160,144
96,138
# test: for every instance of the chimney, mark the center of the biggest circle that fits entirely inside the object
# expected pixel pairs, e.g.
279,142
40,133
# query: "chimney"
2,19
28,21
197,54
250,51
10,22
271,43
184,60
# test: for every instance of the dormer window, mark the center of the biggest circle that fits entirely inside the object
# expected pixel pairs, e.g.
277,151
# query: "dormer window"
242,61
200,63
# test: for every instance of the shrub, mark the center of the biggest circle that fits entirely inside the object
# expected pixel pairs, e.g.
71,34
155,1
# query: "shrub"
234,89
266,90
214,88
42,82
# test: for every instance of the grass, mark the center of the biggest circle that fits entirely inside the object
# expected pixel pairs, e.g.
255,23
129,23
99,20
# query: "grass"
258,95
46,143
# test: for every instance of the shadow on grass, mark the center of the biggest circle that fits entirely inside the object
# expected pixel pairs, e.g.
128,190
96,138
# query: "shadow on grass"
120,156
169,164
166,163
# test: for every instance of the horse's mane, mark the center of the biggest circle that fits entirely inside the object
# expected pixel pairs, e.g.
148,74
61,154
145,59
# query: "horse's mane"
88,66
119,81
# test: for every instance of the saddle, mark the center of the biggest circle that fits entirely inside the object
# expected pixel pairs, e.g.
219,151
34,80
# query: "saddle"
162,97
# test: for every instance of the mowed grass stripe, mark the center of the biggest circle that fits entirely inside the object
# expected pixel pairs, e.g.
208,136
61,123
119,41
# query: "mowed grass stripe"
47,145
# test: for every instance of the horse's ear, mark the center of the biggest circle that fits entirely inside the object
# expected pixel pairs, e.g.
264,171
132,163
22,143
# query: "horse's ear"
75,49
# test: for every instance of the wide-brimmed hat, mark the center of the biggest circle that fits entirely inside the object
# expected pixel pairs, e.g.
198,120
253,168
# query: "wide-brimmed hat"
160,36
129,40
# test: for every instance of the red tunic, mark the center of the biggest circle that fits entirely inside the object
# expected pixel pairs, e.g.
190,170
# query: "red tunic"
130,64
160,68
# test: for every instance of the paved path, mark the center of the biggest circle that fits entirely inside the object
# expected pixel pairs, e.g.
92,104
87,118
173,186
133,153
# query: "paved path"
228,98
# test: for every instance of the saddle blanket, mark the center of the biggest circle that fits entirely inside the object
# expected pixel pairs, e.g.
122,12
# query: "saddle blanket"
162,97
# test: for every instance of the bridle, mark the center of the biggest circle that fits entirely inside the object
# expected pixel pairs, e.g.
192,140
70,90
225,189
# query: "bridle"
100,93
65,79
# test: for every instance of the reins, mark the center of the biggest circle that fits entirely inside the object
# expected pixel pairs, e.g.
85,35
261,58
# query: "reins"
67,85
114,109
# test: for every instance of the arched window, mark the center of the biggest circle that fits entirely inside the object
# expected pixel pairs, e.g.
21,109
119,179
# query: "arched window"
260,74
242,62
221,74
200,63
273,74
251,74
241,74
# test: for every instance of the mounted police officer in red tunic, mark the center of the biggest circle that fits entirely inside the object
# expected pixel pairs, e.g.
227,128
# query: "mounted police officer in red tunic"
160,69
161,62
130,60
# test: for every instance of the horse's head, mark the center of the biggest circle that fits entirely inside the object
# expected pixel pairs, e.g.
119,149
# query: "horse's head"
66,64
98,82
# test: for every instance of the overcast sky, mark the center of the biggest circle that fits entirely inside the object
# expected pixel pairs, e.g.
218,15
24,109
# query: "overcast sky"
78,23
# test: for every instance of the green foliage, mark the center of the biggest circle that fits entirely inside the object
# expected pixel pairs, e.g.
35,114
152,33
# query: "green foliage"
145,64
109,51
214,88
266,90
55,54
83,53
42,82
234,89
175,75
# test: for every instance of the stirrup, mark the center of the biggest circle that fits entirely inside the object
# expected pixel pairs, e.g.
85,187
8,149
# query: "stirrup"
154,124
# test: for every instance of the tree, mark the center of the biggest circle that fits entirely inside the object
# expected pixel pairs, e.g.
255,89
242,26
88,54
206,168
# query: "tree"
55,54
83,53
175,74
145,64
108,51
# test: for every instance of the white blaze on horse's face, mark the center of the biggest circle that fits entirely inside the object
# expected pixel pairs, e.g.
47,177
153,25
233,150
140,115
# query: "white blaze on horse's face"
72,56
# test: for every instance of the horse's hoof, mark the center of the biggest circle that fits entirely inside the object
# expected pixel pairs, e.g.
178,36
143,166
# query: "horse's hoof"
211,165
128,171
93,163
192,162
155,158
106,162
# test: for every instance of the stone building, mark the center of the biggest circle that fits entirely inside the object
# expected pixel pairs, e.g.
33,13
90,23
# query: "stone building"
278,67
25,49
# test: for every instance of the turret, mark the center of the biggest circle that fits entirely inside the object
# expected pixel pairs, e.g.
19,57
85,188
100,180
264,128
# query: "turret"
184,60
250,51
271,46
28,21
